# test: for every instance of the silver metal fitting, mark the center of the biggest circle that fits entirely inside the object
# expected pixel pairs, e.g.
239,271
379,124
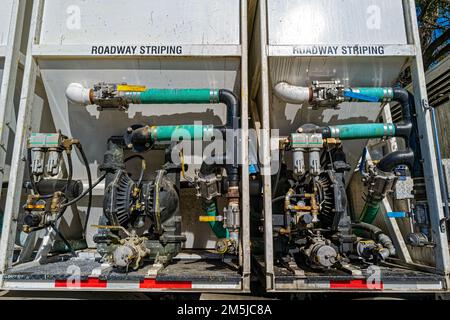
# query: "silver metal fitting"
327,94
208,187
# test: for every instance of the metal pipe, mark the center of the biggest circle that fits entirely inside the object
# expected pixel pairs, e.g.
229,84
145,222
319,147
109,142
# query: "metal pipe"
121,95
439,164
293,94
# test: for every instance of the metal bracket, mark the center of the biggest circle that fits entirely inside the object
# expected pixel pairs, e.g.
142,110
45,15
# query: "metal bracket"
425,104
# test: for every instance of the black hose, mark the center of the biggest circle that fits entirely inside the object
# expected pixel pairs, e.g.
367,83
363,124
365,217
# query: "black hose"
52,224
89,176
277,178
396,158
70,171
377,235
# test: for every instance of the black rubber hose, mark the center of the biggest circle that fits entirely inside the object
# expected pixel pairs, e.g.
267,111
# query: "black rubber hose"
396,158
89,176
377,235
63,239
70,171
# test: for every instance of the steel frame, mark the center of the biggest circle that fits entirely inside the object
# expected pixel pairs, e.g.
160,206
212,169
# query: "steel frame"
413,52
24,120
12,59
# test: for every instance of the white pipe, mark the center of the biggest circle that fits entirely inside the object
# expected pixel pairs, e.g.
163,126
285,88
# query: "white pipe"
77,94
292,94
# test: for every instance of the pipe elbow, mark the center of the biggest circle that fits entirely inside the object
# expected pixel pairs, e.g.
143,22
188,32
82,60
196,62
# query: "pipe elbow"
292,94
232,102
139,139
396,158
403,129
211,164
79,95
401,95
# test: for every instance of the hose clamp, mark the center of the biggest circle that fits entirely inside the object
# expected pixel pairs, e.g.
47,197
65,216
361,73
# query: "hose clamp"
214,96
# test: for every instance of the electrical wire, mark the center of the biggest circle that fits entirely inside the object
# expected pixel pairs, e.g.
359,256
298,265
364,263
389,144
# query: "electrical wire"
284,197
84,192
89,176
277,179
52,224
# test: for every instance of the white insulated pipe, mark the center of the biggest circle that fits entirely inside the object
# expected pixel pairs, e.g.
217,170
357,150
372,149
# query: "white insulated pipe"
77,94
293,94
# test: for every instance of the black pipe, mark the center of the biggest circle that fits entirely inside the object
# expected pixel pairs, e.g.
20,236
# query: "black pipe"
396,158
402,96
232,102
407,102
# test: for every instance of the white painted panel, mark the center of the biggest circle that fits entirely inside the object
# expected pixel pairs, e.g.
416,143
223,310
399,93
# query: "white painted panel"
68,22
6,7
294,22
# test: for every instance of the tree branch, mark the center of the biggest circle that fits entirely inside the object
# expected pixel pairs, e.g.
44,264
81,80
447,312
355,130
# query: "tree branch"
428,53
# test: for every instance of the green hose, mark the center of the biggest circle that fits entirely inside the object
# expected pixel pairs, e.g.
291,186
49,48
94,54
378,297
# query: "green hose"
370,211
169,133
381,93
360,131
163,96
216,226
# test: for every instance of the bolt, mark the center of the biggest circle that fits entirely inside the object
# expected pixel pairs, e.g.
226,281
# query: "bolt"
130,146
